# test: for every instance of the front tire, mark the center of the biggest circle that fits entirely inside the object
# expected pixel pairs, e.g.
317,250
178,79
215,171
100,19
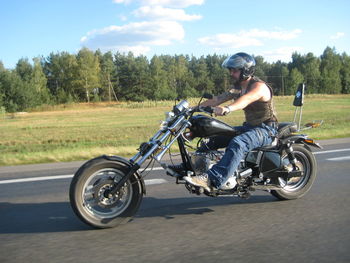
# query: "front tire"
89,196
297,187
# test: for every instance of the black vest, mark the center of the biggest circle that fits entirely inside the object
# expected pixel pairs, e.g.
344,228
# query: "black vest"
259,111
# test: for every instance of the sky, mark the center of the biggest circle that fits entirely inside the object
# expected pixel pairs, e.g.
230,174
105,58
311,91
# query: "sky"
273,29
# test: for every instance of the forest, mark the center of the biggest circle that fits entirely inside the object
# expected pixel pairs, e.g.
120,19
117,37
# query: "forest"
95,76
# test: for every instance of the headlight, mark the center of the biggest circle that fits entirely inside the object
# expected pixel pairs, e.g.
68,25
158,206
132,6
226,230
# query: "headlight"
181,107
169,116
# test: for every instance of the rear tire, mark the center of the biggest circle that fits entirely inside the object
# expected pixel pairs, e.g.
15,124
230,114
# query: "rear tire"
297,187
89,193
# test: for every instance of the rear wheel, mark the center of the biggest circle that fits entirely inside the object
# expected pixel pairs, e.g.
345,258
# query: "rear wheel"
296,187
90,197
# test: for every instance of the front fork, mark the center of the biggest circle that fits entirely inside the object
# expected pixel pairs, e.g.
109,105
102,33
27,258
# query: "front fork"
152,146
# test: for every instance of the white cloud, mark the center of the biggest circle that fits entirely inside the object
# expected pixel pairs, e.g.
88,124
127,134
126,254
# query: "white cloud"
229,41
283,54
168,3
136,50
253,37
161,13
278,35
122,1
338,35
134,36
123,18
161,27
173,3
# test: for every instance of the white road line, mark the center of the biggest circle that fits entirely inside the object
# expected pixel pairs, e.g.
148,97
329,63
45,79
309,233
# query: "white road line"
155,181
33,179
56,177
343,158
332,151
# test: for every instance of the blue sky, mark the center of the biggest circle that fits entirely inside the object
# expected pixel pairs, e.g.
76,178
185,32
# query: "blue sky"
270,28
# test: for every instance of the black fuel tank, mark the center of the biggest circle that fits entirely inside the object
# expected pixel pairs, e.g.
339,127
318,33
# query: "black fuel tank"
204,126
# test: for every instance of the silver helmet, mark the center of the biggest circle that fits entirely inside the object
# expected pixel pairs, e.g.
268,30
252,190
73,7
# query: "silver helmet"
242,61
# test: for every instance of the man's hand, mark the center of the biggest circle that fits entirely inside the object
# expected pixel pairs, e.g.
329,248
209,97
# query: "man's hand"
221,111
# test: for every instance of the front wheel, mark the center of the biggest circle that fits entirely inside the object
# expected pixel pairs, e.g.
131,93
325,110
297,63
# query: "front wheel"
90,198
296,187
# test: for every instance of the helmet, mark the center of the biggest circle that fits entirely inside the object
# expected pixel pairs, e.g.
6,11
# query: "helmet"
242,61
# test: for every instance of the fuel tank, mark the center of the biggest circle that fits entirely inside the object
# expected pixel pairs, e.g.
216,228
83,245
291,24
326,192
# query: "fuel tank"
204,126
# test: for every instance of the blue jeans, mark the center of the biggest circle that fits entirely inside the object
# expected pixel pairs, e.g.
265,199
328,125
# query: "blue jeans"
249,137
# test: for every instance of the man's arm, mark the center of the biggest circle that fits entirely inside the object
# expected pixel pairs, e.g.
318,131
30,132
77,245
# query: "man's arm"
217,100
259,92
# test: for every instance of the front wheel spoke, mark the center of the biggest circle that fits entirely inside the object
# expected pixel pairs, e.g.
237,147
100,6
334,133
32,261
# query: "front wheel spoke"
90,203
88,195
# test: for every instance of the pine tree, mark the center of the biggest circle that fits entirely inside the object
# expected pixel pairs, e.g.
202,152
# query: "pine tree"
330,72
345,73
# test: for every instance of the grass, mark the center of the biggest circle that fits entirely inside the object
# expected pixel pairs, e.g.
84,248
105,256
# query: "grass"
82,131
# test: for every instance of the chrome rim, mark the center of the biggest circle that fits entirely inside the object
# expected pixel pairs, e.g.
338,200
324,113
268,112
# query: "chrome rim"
296,183
96,200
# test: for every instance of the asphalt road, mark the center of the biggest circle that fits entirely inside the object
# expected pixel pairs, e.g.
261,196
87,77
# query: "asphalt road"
38,225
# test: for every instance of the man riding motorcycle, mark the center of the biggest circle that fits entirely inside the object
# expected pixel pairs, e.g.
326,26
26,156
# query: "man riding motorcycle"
108,190
254,97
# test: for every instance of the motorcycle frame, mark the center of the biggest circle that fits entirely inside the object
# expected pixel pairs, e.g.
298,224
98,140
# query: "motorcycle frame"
176,128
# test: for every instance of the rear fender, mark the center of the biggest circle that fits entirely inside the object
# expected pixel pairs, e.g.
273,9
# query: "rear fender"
301,138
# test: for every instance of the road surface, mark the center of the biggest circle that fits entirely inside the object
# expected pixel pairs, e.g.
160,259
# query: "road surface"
37,223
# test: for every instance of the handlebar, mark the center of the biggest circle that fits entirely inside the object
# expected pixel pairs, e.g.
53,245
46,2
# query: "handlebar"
206,109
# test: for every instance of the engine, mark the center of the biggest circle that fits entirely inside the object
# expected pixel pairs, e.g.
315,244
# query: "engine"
203,161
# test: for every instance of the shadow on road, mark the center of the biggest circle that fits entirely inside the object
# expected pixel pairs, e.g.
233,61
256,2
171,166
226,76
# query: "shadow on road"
169,208
59,217
38,218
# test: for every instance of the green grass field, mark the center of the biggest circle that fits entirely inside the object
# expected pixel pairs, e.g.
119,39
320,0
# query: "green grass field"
82,131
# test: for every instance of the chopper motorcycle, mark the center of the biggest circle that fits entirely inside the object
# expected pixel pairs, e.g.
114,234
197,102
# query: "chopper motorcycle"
107,191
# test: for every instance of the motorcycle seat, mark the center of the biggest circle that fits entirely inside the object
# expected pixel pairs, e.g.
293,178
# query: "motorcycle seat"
283,130
286,128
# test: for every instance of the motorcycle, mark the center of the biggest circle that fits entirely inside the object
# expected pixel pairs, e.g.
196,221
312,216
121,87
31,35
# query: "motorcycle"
108,190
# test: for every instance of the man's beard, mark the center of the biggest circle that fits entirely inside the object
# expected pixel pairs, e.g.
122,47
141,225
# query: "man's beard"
236,81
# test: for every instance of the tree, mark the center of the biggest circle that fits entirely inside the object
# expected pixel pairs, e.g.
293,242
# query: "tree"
330,72
61,71
262,68
293,81
38,82
17,96
26,93
2,68
345,73
159,81
2,87
24,69
277,74
143,80
184,79
88,80
128,77
108,70
217,74
311,72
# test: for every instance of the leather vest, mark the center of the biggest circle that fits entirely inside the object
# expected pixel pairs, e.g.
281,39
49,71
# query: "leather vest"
259,112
